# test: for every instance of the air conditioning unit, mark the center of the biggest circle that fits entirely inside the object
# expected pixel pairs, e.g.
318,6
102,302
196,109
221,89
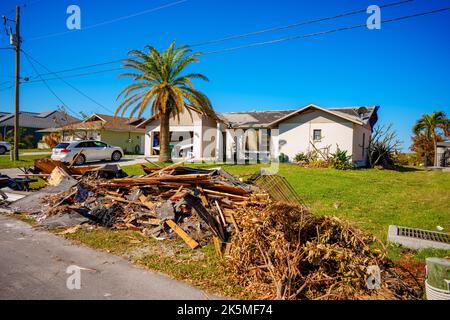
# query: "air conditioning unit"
437,284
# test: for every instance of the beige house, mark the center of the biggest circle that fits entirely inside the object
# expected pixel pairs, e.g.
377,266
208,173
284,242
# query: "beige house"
116,131
264,135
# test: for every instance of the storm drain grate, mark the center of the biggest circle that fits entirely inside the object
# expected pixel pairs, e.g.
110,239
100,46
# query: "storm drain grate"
424,235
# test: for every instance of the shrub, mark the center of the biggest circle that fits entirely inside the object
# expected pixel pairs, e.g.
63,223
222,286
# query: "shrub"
283,158
382,147
340,160
318,164
301,157
52,140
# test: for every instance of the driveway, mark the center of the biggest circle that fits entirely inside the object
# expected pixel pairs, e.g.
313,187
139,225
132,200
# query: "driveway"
33,265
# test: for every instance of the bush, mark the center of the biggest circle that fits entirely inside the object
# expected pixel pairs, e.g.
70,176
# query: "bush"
283,158
318,164
408,159
301,157
383,147
340,160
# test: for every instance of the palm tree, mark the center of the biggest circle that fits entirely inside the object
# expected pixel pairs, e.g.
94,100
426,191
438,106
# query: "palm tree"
159,82
428,124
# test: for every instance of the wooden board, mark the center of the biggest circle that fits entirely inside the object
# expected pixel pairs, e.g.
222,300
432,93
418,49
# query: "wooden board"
189,241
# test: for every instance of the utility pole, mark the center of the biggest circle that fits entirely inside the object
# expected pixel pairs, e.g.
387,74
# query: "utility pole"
16,40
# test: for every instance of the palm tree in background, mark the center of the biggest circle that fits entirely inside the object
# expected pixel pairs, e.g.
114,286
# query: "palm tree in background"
428,125
159,82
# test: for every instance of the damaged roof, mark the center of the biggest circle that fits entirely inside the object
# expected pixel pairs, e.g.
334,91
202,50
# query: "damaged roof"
259,119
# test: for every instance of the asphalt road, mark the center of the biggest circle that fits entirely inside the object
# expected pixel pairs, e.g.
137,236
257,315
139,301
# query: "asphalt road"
33,265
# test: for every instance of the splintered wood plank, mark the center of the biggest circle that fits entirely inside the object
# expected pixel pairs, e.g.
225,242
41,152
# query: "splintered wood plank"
146,203
218,246
220,213
224,194
189,241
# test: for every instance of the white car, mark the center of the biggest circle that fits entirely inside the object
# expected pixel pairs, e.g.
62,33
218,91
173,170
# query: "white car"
91,150
4,147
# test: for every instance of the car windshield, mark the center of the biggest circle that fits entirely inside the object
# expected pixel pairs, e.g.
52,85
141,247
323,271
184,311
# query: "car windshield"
62,146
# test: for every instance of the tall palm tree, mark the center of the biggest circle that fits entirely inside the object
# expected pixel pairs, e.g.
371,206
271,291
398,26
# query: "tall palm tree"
428,124
159,82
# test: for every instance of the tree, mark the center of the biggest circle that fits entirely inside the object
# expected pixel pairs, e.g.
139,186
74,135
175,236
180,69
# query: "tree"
159,82
423,146
428,126
383,146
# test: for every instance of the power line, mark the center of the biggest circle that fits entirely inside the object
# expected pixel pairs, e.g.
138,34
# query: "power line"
294,25
238,47
168,5
67,83
257,44
238,36
46,84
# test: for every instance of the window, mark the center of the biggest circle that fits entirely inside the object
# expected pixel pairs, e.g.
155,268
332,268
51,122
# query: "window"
317,135
99,144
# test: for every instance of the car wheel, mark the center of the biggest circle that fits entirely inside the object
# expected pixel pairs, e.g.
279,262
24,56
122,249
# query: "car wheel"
116,156
80,160
2,150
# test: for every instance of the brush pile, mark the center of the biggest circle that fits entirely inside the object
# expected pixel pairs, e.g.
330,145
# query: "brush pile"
275,249
285,252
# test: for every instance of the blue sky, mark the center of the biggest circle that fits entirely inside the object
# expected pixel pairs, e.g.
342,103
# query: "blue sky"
404,67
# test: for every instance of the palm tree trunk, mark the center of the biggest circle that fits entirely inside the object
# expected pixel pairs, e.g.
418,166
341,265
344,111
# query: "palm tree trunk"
164,154
435,151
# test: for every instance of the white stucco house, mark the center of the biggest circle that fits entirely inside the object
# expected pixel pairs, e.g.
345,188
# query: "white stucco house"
264,135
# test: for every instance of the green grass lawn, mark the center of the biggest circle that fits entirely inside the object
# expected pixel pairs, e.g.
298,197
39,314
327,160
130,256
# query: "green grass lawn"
373,199
24,161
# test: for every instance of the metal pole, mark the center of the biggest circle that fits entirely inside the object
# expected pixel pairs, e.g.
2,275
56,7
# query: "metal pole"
15,154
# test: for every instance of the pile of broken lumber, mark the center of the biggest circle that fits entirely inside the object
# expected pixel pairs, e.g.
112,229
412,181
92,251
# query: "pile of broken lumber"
197,205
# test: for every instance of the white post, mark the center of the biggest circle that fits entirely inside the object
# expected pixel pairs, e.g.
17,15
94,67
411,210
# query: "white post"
219,143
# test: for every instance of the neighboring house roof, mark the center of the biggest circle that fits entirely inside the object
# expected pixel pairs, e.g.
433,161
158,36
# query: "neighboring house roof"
49,119
103,122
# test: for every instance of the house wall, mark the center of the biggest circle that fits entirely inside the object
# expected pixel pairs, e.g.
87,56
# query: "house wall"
361,138
121,139
296,133
202,128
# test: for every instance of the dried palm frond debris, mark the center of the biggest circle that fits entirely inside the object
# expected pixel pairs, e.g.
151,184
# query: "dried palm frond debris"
285,252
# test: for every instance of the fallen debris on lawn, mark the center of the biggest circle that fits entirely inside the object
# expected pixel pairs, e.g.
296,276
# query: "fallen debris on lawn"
274,248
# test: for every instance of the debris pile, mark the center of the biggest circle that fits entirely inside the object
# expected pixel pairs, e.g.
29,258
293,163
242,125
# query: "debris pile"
195,204
285,252
273,247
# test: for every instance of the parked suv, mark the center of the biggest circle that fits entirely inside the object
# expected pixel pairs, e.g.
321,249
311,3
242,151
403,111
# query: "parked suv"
4,147
91,150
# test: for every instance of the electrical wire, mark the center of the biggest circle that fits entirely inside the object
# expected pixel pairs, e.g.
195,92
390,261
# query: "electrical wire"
168,5
48,86
294,25
256,44
67,83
